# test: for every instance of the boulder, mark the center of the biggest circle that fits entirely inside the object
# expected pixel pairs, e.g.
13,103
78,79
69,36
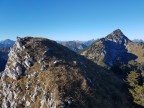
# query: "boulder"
19,70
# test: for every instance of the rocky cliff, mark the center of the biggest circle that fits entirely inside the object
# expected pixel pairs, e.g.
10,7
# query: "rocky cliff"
43,74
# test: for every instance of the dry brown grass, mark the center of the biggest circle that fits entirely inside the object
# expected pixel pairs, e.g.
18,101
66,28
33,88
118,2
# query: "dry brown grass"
138,50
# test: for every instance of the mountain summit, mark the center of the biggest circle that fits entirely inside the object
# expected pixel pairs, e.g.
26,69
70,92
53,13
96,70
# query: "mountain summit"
118,33
113,49
41,73
117,36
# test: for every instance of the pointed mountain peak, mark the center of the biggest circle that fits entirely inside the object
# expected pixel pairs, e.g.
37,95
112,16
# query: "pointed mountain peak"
117,35
118,32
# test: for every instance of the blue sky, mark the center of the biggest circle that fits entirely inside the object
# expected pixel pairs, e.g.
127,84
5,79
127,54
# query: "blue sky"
71,19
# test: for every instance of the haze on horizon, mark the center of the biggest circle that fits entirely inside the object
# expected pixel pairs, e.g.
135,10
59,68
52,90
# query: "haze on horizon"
71,19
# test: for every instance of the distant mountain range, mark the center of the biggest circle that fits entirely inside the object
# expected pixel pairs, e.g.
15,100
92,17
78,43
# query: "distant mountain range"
76,45
6,43
138,40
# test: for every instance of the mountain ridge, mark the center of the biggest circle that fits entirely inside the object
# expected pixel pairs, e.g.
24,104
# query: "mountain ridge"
42,73
114,48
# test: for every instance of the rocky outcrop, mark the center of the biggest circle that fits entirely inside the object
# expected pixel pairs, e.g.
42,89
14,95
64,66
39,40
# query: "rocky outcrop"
43,74
17,65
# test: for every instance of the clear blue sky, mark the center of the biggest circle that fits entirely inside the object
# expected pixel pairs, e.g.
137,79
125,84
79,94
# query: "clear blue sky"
71,19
